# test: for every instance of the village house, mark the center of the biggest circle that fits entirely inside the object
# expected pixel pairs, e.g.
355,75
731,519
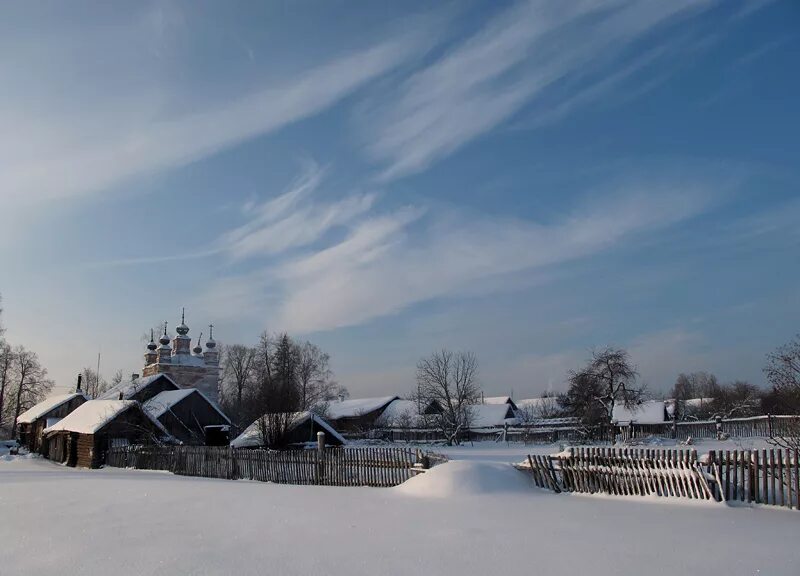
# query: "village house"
357,415
33,421
82,438
189,417
303,428
187,414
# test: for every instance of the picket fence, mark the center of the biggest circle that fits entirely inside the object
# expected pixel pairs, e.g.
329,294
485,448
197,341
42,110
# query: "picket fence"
770,477
371,466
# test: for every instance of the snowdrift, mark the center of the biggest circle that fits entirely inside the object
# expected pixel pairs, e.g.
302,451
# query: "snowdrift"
463,478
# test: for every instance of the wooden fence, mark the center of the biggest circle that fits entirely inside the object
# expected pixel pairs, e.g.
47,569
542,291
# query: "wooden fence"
544,432
769,477
371,466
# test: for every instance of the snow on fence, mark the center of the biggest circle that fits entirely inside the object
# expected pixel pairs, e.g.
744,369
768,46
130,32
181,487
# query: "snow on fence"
762,477
372,466
557,430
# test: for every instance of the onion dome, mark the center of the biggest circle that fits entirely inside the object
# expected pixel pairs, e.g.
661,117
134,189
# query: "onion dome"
197,348
151,345
183,329
211,343
164,340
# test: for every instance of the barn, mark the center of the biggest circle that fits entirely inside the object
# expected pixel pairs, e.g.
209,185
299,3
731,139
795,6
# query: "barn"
189,417
82,438
33,421
304,428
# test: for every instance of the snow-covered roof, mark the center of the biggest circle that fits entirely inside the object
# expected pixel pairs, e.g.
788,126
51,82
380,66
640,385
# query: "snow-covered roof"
357,407
534,403
129,389
399,413
251,437
488,415
164,401
649,412
498,400
45,406
91,416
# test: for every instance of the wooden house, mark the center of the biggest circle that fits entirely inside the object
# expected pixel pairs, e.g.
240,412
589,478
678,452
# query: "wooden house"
189,417
82,438
302,429
33,421
357,415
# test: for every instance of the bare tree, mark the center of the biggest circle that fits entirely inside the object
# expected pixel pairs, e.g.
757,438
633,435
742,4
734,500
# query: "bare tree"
783,373
692,386
544,408
608,379
237,372
30,382
450,379
93,383
6,361
117,378
314,376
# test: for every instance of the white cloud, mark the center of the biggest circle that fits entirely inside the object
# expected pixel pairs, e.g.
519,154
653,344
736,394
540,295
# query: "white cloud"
90,130
513,59
388,261
282,223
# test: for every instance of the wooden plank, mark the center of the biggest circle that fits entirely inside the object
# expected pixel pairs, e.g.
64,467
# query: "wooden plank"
780,478
773,488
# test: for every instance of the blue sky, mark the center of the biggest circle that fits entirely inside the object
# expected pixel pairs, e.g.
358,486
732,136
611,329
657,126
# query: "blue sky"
527,180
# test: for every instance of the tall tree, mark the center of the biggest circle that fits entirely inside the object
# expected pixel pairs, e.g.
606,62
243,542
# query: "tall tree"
314,376
237,372
451,380
30,381
607,380
6,362
783,373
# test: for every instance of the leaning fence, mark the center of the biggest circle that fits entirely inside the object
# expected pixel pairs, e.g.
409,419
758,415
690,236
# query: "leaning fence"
370,466
770,477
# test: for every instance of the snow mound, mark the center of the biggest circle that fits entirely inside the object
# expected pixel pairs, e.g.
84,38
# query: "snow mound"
464,478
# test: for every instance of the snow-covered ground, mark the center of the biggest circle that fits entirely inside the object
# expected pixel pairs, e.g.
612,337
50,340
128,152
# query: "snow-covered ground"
461,518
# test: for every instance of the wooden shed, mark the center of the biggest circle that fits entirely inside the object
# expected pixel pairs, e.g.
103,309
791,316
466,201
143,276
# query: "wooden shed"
82,438
190,417
33,421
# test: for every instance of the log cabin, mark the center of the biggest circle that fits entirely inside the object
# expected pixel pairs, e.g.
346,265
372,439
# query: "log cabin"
33,421
82,438
302,429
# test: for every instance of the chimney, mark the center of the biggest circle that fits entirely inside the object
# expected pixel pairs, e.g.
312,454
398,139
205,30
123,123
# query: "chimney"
78,388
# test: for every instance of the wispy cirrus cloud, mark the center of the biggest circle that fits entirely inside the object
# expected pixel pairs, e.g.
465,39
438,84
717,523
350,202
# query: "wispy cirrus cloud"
389,260
512,60
73,140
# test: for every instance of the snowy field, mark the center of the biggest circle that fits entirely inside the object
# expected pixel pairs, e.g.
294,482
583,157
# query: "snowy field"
475,515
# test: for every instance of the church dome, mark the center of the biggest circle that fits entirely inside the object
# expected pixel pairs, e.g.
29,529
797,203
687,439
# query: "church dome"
152,345
164,340
211,344
183,329
197,349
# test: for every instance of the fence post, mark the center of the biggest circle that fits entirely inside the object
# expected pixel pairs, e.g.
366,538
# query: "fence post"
320,457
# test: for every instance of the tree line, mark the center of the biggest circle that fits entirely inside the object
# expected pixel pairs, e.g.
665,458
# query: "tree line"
23,382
